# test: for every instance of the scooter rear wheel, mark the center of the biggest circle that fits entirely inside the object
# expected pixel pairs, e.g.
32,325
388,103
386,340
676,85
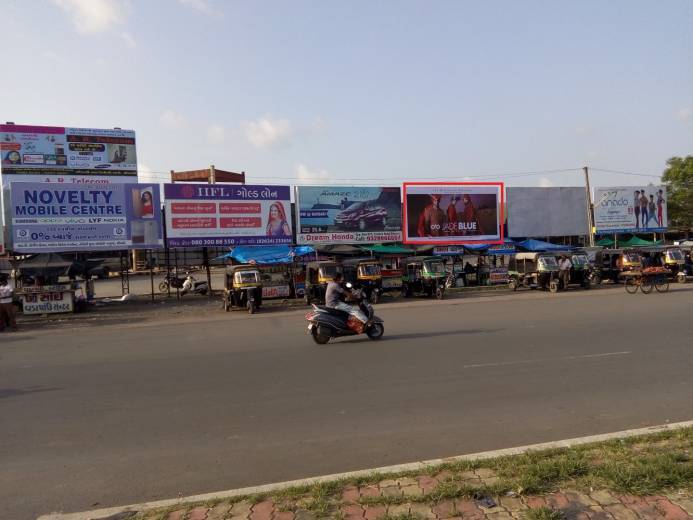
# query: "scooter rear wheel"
318,338
375,331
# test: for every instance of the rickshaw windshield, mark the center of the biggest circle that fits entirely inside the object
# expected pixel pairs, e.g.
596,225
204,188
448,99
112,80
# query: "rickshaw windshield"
579,260
245,277
435,267
631,258
548,262
328,271
369,270
674,255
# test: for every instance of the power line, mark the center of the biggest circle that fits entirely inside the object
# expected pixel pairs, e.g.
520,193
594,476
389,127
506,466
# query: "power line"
625,173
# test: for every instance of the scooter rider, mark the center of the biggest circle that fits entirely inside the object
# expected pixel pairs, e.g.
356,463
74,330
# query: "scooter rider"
333,298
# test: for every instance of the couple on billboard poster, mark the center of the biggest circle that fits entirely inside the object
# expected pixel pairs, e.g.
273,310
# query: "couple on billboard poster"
453,212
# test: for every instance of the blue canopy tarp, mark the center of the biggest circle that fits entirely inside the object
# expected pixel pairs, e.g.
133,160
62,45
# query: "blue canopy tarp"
267,254
540,246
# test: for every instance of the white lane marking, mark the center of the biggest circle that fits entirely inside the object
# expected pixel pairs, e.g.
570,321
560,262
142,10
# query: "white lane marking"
543,360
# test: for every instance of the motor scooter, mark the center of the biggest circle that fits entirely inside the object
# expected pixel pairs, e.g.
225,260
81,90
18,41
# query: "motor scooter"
325,323
194,287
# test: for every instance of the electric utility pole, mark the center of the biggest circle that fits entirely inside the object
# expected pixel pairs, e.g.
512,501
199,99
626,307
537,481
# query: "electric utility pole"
590,206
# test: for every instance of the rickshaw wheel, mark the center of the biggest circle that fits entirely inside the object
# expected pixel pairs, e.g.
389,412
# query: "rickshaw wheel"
405,292
319,339
662,285
375,331
646,286
375,297
513,284
163,287
306,298
440,293
553,286
681,277
227,307
631,285
251,307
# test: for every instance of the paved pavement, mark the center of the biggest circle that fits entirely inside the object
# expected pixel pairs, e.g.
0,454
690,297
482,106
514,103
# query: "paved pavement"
114,414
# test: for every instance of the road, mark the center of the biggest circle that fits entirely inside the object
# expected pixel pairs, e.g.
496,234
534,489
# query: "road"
114,414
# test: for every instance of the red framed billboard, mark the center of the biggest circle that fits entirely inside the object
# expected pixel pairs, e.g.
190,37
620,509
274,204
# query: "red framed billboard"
439,213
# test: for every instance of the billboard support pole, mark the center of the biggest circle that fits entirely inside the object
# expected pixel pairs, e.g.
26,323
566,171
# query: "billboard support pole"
205,254
590,207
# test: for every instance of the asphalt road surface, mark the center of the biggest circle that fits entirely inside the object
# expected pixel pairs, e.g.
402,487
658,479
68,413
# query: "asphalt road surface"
108,415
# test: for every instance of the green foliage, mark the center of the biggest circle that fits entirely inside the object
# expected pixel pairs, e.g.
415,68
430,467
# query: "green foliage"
678,177
543,513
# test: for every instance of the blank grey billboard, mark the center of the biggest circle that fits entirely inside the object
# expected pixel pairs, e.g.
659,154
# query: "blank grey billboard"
547,212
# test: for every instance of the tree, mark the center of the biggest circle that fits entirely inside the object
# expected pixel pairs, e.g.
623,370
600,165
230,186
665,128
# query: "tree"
678,178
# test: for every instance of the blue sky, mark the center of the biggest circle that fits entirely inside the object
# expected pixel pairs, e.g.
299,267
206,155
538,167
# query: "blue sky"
314,91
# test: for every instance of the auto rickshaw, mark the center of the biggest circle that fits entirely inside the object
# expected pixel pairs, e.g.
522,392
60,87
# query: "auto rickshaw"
614,262
533,270
366,274
242,288
318,275
581,273
424,274
671,258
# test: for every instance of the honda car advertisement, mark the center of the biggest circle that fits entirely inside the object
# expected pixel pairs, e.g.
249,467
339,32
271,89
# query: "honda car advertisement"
48,217
453,213
58,154
225,215
348,215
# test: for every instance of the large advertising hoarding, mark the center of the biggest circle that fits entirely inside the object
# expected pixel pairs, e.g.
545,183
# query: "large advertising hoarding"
630,209
453,213
547,212
69,155
348,215
48,217
201,215
2,238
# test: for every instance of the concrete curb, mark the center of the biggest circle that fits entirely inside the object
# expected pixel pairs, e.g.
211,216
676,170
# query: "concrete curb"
104,514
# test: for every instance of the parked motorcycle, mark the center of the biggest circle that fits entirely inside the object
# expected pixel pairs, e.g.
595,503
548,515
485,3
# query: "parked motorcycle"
172,281
325,323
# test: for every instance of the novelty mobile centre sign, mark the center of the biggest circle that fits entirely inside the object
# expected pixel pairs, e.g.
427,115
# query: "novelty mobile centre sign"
48,217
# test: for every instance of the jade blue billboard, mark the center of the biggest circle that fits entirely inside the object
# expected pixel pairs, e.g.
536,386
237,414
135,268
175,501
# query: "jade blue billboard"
51,217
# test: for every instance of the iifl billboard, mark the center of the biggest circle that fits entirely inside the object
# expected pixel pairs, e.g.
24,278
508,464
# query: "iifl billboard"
202,215
453,213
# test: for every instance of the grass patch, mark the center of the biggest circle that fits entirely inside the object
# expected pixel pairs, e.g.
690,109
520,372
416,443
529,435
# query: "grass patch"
403,516
543,513
651,464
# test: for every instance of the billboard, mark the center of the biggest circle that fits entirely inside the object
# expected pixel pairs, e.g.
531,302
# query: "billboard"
227,215
453,212
547,212
48,217
633,209
348,215
2,238
59,154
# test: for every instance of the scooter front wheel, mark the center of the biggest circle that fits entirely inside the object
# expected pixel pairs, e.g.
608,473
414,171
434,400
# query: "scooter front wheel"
375,331
319,338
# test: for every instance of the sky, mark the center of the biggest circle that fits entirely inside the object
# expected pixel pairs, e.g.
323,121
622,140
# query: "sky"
362,92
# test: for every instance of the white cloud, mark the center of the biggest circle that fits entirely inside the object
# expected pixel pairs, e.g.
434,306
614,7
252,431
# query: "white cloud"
172,119
306,175
684,114
53,56
267,132
128,39
216,134
199,5
545,182
93,16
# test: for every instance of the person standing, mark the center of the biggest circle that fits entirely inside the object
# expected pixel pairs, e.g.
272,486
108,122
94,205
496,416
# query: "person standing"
7,310
431,219
660,208
564,267
651,208
452,217
643,209
636,207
